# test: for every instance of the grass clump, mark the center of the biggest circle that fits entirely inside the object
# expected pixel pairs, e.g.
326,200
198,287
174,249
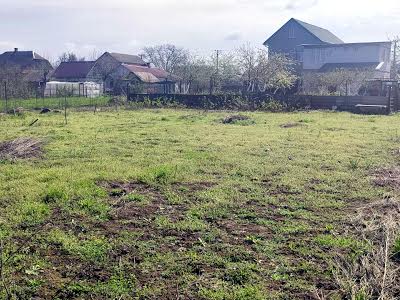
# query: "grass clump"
32,213
93,249
55,195
94,207
135,197
240,273
160,175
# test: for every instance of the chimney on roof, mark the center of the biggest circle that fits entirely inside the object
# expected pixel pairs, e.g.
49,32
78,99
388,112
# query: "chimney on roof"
15,49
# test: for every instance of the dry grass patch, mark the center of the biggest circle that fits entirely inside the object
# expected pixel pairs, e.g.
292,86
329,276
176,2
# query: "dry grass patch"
375,273
21,148
291,125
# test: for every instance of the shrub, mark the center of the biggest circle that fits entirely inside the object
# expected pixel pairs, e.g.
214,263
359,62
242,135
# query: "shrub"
273,106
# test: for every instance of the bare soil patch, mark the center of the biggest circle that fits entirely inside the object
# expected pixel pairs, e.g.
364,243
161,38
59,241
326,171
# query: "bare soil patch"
21,148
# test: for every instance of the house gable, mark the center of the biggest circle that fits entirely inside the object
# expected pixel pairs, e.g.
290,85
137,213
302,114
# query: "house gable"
109,62
289,38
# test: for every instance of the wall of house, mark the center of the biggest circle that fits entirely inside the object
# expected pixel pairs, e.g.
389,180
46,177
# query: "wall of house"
115,81
103,67
289,37
315,57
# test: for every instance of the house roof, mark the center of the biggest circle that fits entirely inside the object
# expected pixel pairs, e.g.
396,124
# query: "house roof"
151,75
21,58
76,69
387,44
320,33
329,67
128,59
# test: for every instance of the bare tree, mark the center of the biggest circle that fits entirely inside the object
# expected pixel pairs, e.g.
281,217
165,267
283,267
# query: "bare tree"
337,82
68,57
261,71
195,73
226,70
275,72
246,56
167,57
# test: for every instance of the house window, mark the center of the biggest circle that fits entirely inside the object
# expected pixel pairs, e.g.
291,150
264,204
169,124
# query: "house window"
291,32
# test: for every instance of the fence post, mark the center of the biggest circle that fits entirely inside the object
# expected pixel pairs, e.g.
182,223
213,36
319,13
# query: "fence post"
127,92
5,95
65,109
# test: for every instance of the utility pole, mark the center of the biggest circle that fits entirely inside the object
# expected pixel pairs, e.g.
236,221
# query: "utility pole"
216,77
394,75
218,52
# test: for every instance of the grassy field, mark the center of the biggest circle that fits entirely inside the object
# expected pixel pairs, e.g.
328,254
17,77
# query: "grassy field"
164,204
52,103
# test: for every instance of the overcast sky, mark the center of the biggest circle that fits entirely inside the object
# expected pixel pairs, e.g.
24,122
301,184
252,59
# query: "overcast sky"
50,27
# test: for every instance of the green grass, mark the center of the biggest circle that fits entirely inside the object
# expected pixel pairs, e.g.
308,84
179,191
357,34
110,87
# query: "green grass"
173,204
52,103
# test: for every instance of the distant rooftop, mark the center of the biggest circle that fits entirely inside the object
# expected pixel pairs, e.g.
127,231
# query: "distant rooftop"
151,75
128,59
345,45
75,69
330,67
20,57
321,33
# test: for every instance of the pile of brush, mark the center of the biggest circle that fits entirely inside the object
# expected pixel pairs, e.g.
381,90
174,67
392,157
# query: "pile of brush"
21,148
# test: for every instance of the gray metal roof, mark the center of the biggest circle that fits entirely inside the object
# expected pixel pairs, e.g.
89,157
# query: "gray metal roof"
75,69
20,57
330,67
128,59
387,44
321,33
324,35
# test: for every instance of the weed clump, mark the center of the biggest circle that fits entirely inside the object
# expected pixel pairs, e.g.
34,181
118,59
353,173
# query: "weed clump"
238,119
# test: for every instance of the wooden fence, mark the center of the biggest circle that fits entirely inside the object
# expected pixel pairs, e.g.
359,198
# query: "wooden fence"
347,103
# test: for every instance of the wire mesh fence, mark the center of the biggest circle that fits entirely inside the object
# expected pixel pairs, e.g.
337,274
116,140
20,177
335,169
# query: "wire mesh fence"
10,105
